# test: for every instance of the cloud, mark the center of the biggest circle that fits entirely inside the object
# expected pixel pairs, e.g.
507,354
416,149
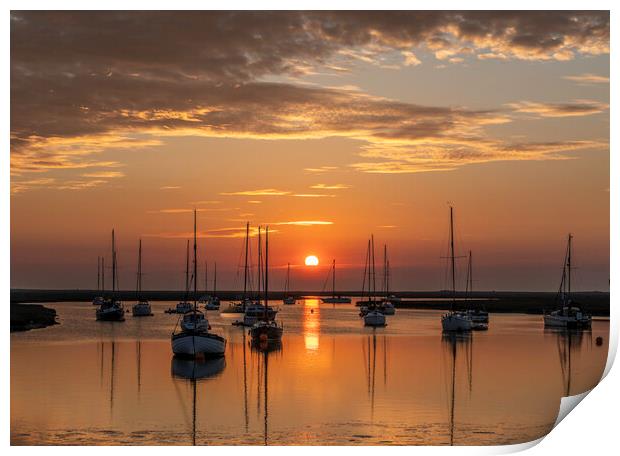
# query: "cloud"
260,192
330,186
313,195
572,109
302,223
104,174
76,93
429,157
224,233
170,187
322,169
587,78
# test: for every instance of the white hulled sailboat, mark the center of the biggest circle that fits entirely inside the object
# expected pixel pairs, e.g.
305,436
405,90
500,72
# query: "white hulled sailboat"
569,314
454,320
142,308
194,339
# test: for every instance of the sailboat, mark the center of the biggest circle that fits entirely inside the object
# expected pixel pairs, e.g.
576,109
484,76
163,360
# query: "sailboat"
387,307
239,307
211,302
98,300
112,309
568,314
142,308
288,299
335,299
454,320
478,316
266,329
254,310
194,339
374,316
184,305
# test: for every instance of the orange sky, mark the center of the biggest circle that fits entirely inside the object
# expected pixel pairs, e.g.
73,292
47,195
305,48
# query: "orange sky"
365,123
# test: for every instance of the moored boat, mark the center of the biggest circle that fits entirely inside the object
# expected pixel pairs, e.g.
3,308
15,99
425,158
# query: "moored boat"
288,299
266,329
568,314
334,298
194,339
142,308
111,309
454,321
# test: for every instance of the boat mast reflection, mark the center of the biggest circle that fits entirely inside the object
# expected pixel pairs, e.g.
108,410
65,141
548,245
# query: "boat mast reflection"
451,342
265,349
194,371
568,342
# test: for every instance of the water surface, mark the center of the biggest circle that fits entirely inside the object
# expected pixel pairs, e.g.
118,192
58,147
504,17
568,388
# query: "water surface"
331,381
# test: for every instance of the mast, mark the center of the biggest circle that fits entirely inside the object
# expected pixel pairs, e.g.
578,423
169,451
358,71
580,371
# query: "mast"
187,271
288,277
214,277
568,261
195,264
260,263
374,274
266,279
102,275
98,273
334,278
385,270
245,268
366,269
113,266
206,277
139,274
452,258
470,278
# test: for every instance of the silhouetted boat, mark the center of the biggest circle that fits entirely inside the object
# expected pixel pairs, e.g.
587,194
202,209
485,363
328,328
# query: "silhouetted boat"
239,307
454,320
478,316
569,314
111,309
211,302
289,300
194,339
335,299
387,307
185,306
98,300
142,308
255,311
266,329
373,315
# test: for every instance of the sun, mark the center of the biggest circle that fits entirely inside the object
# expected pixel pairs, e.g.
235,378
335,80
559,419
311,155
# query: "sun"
312,260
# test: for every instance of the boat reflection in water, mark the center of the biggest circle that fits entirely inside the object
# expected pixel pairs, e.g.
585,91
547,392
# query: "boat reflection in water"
569,343
265,349
194,371
456,345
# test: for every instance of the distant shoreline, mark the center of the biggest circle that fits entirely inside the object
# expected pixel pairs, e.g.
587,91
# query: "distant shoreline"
595,302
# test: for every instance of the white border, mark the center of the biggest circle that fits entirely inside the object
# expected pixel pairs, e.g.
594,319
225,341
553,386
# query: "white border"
591,428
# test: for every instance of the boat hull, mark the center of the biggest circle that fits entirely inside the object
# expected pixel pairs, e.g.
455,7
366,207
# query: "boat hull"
456,323
374,318
289,301
266,332
561,321
191,345
141,310
336,300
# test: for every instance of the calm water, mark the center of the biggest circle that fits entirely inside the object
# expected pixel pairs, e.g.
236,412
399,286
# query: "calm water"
332,381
